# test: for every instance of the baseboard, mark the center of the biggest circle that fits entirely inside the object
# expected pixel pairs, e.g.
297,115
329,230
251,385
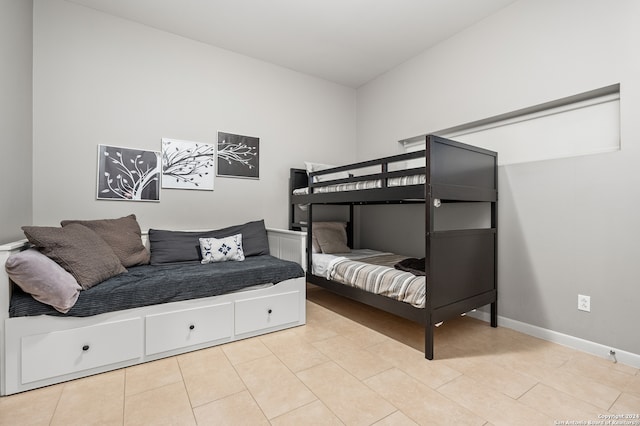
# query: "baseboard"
593,348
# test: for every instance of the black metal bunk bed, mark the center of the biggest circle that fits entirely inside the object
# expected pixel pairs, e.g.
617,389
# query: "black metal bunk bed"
461,264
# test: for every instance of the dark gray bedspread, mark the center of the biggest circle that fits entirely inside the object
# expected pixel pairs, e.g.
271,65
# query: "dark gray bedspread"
150,285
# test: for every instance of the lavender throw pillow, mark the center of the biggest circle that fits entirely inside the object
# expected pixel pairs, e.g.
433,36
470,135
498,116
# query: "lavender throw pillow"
44,279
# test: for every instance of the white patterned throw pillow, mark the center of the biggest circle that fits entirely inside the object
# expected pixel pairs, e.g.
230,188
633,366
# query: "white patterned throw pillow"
221,249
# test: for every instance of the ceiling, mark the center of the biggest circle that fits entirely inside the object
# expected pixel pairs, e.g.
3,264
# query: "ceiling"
348,42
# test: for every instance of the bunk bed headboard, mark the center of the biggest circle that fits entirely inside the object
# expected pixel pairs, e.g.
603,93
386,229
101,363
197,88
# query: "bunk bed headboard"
298,178
458,171
297,216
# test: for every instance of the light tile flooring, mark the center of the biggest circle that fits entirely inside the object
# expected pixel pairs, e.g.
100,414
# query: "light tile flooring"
336,371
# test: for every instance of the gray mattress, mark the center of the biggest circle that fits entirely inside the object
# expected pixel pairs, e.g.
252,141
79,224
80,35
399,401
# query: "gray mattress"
150,285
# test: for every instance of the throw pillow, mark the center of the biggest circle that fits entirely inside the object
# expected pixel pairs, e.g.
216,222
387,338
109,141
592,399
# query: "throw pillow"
332,240
43,279
184,246
254,237
123,236
221,249
334,236
78,250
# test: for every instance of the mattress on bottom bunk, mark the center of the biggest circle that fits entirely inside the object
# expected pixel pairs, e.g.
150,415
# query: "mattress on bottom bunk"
365,184
374,272
150,285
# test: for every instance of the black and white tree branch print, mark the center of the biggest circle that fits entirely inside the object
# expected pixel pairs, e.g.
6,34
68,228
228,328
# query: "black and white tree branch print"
238,153
128,174
238,156
187,165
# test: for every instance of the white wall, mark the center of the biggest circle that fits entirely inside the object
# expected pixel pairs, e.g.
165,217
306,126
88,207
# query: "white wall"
16,40
566,226
103,80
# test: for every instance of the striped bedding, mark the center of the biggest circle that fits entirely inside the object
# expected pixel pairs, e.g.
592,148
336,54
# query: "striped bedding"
365,184
376,274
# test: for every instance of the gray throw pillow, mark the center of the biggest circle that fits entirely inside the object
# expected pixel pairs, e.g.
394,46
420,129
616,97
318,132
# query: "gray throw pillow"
123,236
329,237
43,279
78,250
332,240
184,246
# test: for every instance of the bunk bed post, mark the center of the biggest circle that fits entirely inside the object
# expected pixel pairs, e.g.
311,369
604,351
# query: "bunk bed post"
494,314
428,339
494,225
309,238
292,207
351,240
429,327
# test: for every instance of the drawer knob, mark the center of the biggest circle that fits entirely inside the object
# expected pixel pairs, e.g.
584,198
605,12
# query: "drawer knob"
191,327
85,348
269,310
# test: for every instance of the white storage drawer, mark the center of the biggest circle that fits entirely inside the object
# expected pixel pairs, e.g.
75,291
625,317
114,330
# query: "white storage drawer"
188,327
268,311
62,352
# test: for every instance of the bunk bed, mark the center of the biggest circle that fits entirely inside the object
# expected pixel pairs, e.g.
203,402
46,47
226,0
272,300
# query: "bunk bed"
460,264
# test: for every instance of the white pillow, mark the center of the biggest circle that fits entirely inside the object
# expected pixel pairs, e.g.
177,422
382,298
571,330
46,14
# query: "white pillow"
316,167
221,249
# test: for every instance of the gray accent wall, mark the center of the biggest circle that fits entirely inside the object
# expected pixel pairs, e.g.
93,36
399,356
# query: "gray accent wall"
99,79
16,41
566,226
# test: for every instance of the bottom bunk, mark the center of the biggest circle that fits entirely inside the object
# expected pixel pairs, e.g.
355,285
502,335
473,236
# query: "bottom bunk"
459,276
377,272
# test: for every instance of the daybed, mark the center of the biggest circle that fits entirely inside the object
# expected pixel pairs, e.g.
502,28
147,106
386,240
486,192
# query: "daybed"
174,305
458,272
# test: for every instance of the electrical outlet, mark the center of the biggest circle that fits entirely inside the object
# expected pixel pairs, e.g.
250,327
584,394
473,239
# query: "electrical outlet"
584,303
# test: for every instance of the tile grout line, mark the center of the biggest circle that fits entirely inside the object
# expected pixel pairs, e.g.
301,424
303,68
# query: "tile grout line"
614,402
244,383
124,395
53,414
486,421
368,349
186,390
304,384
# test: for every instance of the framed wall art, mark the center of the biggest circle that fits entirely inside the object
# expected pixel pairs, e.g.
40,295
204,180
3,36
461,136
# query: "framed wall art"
187,165
238,156
128,174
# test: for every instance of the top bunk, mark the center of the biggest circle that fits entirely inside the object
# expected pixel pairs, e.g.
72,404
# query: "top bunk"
446,170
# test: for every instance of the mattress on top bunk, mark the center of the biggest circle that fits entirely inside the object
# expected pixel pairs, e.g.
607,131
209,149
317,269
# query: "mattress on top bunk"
364,184
372,271
151,285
